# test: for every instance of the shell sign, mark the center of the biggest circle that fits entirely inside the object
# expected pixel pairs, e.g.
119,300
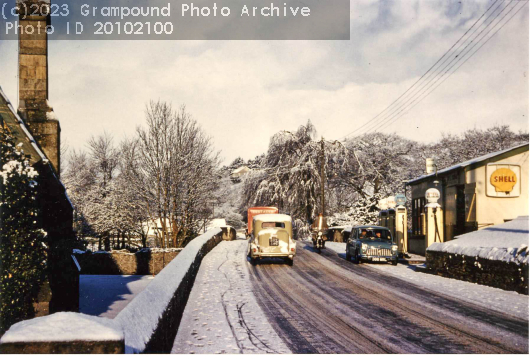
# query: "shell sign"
503,179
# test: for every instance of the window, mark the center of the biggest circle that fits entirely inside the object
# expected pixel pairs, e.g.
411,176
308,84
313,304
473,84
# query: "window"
418,208
273,225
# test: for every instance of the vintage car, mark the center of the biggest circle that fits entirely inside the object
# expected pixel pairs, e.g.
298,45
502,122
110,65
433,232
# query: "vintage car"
272,236
371,243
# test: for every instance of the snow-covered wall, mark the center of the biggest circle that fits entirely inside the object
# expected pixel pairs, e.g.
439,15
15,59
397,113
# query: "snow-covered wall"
507,242
152,319
148,324
64,333
496,256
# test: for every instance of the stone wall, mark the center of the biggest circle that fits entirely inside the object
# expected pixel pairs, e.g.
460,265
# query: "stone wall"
148,324
153,328
122,263
139,263
499,274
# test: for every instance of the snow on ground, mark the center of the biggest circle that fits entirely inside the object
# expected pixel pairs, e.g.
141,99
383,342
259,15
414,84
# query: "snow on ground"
140,318
107,295
508,302
222,315
63,327
506,242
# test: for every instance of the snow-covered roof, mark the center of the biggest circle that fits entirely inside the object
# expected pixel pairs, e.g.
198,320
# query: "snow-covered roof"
506,242
273,217
216,222
467,163
14,124
337,227
240,169
13,115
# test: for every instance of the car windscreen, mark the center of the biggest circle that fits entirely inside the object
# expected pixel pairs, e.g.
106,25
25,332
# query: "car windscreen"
375,234
273,225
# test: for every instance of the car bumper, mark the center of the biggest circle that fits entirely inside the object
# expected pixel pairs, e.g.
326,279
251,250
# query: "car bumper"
378,258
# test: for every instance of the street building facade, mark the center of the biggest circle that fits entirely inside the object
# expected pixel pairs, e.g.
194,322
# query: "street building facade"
475,194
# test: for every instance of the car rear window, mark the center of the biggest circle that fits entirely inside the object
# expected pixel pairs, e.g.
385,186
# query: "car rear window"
273,225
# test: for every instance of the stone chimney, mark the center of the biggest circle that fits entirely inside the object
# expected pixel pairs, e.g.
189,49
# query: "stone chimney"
34,107
430,165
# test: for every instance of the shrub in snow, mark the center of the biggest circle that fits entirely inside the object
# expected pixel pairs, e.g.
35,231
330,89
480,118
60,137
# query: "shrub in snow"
235,220
22,248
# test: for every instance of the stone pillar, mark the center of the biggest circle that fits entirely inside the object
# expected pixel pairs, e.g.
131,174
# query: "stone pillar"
34,107
401,230
434,230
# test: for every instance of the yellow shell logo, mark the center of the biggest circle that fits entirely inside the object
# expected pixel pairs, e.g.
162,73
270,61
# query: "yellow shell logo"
503,180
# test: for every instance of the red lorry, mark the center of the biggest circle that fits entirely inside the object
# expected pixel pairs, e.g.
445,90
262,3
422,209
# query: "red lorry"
254,211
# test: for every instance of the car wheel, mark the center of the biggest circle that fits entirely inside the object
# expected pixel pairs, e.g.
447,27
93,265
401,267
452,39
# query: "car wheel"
348,255
290,262
253,261
394,262
356,257
319,250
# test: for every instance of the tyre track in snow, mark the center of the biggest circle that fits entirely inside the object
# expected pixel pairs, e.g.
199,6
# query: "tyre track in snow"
327,305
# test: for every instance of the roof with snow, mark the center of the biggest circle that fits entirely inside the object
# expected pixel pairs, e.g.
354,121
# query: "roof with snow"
272,217
475,161
11,121
242,169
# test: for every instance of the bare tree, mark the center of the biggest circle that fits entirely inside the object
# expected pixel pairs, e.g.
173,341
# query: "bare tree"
175,171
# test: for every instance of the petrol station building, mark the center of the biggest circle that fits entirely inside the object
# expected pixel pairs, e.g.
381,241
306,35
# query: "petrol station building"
475,194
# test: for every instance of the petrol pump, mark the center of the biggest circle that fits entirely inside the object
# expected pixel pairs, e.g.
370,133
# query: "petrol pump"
393,215
401,224
433,218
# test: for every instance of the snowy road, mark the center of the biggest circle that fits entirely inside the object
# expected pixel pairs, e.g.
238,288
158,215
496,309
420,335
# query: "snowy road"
325,304
222,315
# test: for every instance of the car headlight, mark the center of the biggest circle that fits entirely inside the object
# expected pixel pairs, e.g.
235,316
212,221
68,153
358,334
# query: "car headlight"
394,248
365,246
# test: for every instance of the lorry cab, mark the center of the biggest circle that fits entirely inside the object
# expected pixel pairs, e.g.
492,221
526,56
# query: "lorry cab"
272,236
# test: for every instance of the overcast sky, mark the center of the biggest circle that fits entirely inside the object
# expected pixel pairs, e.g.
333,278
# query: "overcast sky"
243,92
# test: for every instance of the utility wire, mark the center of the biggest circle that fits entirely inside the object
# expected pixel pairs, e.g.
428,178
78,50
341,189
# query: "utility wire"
450,65
401,113
454,60
423,76
401,109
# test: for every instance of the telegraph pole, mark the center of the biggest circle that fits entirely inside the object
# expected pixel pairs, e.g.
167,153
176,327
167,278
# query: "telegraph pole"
322,175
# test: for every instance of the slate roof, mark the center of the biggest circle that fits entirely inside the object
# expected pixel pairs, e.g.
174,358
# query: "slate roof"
17,128
469,162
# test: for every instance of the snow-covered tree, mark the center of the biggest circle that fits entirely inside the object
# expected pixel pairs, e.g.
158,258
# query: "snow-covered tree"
22,247
175,173
234,219
290,178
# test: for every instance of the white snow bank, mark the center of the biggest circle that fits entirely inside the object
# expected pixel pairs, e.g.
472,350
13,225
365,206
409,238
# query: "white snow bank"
141,317
222,315
508,302
507,242
64,327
